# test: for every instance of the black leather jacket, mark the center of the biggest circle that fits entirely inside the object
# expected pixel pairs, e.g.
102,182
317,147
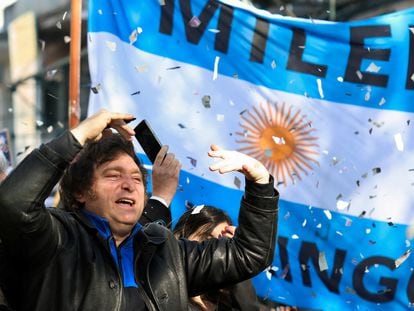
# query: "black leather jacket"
64,264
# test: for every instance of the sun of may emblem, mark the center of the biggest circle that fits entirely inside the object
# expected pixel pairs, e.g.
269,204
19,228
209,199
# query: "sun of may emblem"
281,139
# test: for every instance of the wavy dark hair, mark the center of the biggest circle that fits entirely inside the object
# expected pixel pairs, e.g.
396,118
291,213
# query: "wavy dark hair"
78,177
202,223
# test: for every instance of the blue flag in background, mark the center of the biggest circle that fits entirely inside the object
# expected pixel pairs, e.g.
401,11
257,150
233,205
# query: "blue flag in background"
328,107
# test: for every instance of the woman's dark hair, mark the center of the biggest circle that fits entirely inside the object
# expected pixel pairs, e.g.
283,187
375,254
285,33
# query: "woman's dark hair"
201,223
78,177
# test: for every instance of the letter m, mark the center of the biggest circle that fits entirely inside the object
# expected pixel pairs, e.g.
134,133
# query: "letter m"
194,33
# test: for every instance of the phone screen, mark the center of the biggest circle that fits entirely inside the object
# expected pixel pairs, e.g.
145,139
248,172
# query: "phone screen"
148,140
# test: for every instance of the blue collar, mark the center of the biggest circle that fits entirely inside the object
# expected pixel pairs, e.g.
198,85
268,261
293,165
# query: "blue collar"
102,224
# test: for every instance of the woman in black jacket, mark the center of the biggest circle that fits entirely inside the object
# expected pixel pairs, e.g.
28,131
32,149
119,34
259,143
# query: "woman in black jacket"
205,222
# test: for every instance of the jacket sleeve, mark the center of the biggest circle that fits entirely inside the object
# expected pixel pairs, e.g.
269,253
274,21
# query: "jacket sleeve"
223,262
26,227
157,212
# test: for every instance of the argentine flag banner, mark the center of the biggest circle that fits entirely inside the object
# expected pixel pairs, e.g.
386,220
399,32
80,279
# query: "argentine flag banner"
327,107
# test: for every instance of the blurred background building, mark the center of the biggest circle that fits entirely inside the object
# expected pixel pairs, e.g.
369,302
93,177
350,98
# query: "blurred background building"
34,60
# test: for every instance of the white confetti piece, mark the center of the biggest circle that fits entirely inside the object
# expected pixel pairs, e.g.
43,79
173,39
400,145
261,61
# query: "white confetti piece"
59,25
409,233
214,30
295,236
399,142
220,117
359,74
100,12
319,226
197,209
216,62
39,122
111,45
273,64
368,230
133,36
66,39
64,15
348,222
339,233
412,77
304,223
194,22
341,205
328,214
320,90
373,68
161,2
278,140
323,265
340,79
382,101
49,129
403,258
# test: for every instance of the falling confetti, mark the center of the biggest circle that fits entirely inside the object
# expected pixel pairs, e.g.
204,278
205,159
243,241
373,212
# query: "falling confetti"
214,30
220,117
403,258
237,182
295,236
205,100
161,2
342,205
271,271
59,25
359,74
273,64
66,39
216,62
410,232
373,68
399,142
136,93
340,79
194,22
362,214
278,140
192,161
328,214
382,101
320,90
96,89
111,45
181,125
376,170
323,265
173,68
197,209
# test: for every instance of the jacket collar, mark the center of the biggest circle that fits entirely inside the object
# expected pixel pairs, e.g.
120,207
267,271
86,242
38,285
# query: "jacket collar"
101,224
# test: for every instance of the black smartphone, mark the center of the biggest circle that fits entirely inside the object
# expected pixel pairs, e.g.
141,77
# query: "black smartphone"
147,139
